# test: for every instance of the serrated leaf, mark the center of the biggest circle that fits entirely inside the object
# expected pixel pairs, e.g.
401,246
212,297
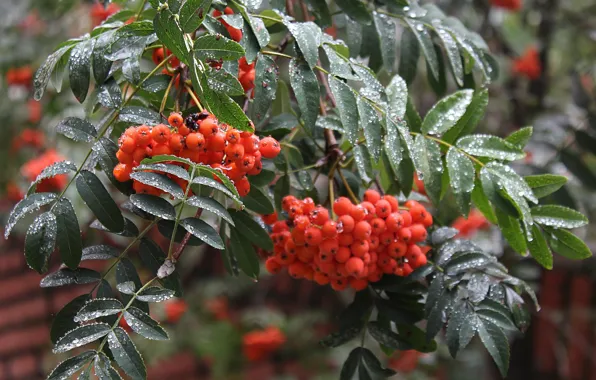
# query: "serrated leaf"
159,181
70,366
97,308
470,119
193,13
154,205
40,241
461,177
215,47
371,125
386,29
539,249
305,86
558,216
452,50
356,10
203,231
458,317
347,108
243,251
478,287
210,182
76,129
175,170
155,294
227,110
397,98
251,230
426,43
102,65
126,354
106,150
65,276
97,198
131,70
103,368
61,167
43,74
266,74
409,51
427,160
100,252
156,83
520,137
68,233
363,164
481,202
153,257
79,72
467,261
490,146
568,245
545,184
447,112
210,205
126,287
496,344
387,337
308,37
144,325
109,94
168,30
81,336
223,82
512,232
258,201
139,115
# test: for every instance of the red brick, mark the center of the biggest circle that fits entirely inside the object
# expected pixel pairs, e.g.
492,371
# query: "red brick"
24,311
23,367
12,262
183,365
24,339
17,286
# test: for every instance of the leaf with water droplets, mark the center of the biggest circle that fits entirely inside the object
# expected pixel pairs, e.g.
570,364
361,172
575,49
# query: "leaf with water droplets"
79,68
144,325
126,354
168,30
409,53
153,257
127,272
106,150
227,110
397,98
480,200
100,252
424,38
459,317
139,115
468,122
203,231
496,344
210,182
70,366
65,276
371,125
539,249
520,137
466,262
174,170
490,146
210,205
61,167
558,216
193,13
77,129
461,177
154,205
338,63
63,322
102,65
43,74
347,108
159,181
155,294
512,232
386,30
210,173
447,112
103,368
355,10
156,83
363,164
545,184
81,336
568,245
478,286
266,74
386,337
223,82
127,287
69,233
109,94
215,47
341,337
452,50
442,235
305,85
166,158
308,37
97,198
252,230
427,160
40,241
97,308
258,201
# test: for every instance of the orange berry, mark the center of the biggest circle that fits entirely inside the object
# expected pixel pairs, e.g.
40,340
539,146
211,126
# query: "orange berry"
235,34
140,154
345,224
183,130
319,216
161,149
233,136
342,206
269,147
359,248
269,218
343,254
272,265
358,284
235,151
329,246
176,142
143,135
339,284
345,239
128,145
392,201
329,229
208,127
123,157
394,222
418,213
243,186
246,163
378,226
122,172
383,208
419,232
362,230
407,217
372,196
195,141
321,278
355,266
160,134
397,249
313,236
217,142
175,120
404,234
358,213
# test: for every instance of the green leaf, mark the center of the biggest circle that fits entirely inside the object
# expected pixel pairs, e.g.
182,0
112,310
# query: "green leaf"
447,112
351,364
545,184
175,170
154,205
558,216
102,65
159,181
341,337
496,344
139,115
539,249
263,179
258,201
467,261
144,325
386,29
520,137
64,320
427,160
512,232
203,231
374,365
355,9
193,13
347,108
126,272
321,11
281,104
568,245
40,241
69,234
438,85
251,230
227,111
363,164
215,47
103,368
338,63
168,30
43,74
305,86
126,354
223,82
461,177
70,366
76,129
210,182
481,202
244,253
100,252
386,337
460,316
371,125
452,50
468,122
156,83
97,308
153,257
490,146
210,205
97,198
308,37
266,73
109,94
60,167
397,98
422,34
79,66
81,336
409,53
106,150
393,147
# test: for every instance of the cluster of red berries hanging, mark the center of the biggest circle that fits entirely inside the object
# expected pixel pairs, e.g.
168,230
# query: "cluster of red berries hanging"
366,240
201,139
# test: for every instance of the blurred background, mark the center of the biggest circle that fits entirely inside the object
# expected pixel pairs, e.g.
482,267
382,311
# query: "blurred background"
233,328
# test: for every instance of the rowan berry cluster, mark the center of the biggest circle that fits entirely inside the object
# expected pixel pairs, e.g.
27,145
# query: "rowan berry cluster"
366,240
258,345
512,5
528,64
99,12
467,227
19,76
28,137
235,34
34,167
200,138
